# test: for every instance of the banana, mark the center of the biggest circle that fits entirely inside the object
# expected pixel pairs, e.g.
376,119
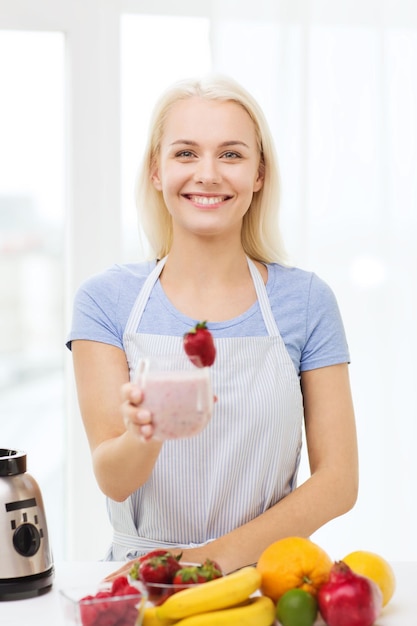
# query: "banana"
216,594
150,618
260,611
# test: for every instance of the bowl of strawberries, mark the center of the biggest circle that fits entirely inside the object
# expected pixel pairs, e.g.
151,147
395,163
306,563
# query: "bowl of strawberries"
160,574
118,603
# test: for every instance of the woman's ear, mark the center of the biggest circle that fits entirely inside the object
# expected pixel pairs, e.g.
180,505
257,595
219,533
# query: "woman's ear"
156,180
154,171
259,180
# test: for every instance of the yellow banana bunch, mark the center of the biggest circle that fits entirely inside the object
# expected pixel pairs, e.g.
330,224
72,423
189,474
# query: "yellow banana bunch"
259,611
214,595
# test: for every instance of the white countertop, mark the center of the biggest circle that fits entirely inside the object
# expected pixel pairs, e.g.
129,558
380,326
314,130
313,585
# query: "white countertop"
45,610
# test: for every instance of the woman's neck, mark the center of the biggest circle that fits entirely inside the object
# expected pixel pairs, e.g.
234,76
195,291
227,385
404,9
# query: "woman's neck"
218,263
211,282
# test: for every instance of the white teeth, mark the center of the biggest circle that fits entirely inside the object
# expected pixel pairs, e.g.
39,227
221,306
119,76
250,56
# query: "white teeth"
207,199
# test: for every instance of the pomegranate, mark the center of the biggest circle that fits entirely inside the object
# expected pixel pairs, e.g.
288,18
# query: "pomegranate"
348,599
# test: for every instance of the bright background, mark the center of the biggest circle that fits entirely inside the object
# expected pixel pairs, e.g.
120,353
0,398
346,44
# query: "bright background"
338,82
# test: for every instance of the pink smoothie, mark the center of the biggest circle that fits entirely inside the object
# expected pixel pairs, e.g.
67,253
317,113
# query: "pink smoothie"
180,402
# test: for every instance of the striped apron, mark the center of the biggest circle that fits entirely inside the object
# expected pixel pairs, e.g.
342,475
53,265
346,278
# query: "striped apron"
240,465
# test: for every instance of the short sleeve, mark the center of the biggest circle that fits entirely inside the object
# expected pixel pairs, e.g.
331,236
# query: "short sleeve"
325,338
95,311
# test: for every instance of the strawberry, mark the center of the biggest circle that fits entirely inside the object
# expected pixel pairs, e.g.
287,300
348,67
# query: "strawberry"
100,610
199,345
197,574
159,569
88,611
134,570
92,611
118,585
148,555
186,576
156,572
211,569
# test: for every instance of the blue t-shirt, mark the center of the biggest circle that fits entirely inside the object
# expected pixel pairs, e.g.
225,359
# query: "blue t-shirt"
304,307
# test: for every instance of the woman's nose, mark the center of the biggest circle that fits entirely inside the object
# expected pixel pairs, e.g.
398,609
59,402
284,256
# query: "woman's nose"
207,171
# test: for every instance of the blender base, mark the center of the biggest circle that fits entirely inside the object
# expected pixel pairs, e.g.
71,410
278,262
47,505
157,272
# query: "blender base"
26,586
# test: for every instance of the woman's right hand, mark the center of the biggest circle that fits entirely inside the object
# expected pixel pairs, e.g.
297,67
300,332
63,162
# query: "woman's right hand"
119,430
137,419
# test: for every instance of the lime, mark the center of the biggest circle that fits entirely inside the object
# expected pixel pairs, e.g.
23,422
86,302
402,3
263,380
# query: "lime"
297,608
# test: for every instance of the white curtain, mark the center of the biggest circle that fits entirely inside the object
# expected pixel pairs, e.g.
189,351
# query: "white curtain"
338,81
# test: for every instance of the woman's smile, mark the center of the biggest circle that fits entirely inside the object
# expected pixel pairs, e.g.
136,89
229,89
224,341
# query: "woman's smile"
207,201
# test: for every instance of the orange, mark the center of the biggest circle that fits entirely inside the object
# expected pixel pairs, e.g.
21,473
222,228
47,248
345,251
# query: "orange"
293,563
374,567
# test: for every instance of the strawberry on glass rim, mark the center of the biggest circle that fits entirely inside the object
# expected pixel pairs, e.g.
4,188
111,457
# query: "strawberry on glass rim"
199,345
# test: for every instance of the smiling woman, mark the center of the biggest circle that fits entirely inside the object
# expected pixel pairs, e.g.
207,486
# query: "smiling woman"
208,189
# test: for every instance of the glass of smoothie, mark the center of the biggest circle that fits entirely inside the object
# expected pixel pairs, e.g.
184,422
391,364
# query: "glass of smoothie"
177,393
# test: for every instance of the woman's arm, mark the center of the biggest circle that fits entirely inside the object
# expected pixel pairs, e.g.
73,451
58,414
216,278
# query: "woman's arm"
329,492
122,458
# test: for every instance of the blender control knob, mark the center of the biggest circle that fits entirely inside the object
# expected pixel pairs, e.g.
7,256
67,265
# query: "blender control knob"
26,539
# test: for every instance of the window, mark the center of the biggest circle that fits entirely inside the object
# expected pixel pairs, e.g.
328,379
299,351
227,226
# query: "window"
31,259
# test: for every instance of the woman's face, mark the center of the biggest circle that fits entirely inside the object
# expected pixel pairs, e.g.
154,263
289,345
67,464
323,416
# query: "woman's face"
208,166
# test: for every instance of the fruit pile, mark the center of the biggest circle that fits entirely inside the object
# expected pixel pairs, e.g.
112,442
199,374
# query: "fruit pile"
293,582
302,581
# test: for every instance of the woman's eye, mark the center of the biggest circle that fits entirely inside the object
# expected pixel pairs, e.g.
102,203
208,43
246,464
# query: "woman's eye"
231,155
185,154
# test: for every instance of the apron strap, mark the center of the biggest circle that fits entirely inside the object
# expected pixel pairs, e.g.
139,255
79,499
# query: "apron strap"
143,297
263,299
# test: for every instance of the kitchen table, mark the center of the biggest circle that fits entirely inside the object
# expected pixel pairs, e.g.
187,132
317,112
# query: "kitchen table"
45,610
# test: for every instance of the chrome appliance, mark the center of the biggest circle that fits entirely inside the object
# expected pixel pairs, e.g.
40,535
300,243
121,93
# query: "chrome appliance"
26,566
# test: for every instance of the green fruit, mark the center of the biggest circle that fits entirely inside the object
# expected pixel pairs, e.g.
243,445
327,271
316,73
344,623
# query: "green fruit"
297,608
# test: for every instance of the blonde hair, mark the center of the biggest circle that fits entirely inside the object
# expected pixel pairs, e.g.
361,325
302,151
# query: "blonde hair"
261,237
